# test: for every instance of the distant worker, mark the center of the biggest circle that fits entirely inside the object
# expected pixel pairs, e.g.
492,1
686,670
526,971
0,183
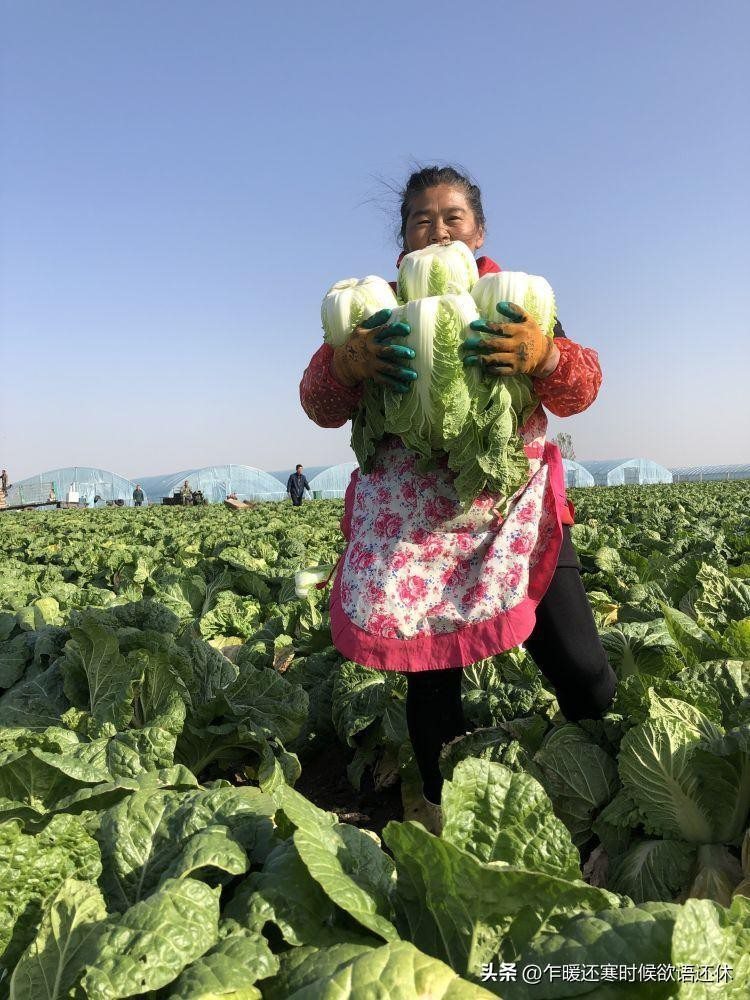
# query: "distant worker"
4,481
296,486
187,494
51,498
138,496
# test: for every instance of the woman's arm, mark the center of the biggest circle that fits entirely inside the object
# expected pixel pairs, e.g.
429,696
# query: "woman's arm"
573,385
324,399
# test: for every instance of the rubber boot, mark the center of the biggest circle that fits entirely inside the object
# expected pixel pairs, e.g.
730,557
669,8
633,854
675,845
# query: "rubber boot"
429,814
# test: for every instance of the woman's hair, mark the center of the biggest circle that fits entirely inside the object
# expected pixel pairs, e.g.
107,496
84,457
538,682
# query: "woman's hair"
429,177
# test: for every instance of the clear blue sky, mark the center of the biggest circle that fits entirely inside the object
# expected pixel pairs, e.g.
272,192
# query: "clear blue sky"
182,181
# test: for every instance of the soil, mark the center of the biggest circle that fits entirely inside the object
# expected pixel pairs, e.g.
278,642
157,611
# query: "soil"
324,781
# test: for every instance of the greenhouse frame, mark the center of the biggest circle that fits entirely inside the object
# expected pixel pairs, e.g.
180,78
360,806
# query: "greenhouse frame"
74,483
576,474
710,473
628,471
331,484
216,483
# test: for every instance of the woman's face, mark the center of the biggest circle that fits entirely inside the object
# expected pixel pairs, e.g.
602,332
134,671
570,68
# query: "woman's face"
441,214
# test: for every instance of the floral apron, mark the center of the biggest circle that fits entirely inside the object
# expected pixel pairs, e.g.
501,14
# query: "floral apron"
424,586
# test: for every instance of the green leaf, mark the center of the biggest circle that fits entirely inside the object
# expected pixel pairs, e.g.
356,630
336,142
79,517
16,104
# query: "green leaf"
39,780
466,912
397,971
286,895
497,815
32,868
226,969
652,869
353,872
67,941
658,769
578,775
634,936
96,676
641,647
720,937
696,644
149,945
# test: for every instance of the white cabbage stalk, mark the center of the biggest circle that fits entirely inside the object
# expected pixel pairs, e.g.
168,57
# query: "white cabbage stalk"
427,414
350,302
530,291
304,579
448,269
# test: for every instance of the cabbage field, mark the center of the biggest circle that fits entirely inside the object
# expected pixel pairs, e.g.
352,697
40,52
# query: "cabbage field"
164,691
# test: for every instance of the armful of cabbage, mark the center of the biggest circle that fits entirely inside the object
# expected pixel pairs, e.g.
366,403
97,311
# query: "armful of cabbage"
452,409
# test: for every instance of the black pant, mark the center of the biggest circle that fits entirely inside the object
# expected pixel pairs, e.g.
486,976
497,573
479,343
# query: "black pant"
297,501
564,644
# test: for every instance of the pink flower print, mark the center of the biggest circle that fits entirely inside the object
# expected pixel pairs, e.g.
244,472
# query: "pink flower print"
374,593
521,545
439,509
456,576
526,513
485,501
438,610
360,559
383,494
411,589
465,541
382,624
376,476
475,594
387,525
431,546
409,492
400,559
406,466
346,593
513,576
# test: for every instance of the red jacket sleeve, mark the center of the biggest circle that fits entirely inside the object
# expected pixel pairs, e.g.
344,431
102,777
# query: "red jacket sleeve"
573,385
324,399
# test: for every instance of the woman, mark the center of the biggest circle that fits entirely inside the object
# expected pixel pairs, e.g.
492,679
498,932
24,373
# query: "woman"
422,587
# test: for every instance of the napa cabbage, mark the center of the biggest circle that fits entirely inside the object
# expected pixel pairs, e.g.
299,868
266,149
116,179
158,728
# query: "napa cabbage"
440,269
530,291
305,579
350,302
451,410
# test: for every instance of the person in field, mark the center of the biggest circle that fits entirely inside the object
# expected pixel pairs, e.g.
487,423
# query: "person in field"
296,486
423,588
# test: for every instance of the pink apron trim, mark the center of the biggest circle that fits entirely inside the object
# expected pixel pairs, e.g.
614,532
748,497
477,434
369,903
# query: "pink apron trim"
469,643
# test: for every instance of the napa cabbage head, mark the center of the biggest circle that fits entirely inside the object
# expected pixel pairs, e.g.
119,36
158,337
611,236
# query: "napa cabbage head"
530,291
432,414
350,302
440,269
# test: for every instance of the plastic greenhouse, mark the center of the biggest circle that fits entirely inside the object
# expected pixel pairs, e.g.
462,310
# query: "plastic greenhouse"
75,484
216,482
576,474
630,471
332,483
710,473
